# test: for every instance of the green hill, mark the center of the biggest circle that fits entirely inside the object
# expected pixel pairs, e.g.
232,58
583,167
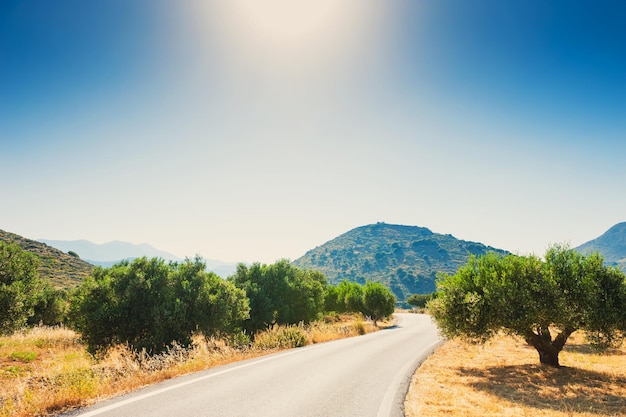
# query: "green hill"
611,245
62,269
405,258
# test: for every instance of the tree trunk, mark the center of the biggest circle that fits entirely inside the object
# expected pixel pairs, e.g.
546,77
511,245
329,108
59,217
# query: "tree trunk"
550,358
547,348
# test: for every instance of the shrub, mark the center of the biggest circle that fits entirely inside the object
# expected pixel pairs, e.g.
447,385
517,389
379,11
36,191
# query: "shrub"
20,287
420,300
149,304
378,301
280,294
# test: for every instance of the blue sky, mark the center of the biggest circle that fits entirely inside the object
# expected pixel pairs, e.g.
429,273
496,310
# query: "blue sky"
256,130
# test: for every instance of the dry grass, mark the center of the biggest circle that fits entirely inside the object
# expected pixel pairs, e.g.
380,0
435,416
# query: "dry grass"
44,371
504,378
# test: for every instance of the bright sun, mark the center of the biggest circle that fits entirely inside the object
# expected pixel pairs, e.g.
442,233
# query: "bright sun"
286,23
296,35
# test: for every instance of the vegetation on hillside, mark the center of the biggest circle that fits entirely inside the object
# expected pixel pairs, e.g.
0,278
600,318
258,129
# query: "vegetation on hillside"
543,302
62,270
403,258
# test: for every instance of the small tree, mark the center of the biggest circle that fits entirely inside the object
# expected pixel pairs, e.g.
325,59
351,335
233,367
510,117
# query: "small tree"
280,293
351,294
420,300
331,299
531,298
347,297
51,308
378,301
20,287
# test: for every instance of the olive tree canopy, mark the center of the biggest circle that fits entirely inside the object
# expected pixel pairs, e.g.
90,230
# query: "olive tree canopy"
543,301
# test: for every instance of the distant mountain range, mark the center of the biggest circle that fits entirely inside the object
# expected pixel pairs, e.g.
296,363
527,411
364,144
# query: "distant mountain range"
110,253
405,258
106,254
611,245
62,269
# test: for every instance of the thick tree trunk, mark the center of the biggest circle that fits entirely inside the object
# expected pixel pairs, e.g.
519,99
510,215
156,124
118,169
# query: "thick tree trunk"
550,358
547,348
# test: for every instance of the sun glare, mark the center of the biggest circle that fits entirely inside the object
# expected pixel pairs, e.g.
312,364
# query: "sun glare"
297,36
285,22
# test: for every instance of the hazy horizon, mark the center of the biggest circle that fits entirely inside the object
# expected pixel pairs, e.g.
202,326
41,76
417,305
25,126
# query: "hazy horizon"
251,131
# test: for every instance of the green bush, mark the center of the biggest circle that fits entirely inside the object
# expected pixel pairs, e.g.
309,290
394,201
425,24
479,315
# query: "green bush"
280,294
420,300
20,287
378,301
149,304
51,308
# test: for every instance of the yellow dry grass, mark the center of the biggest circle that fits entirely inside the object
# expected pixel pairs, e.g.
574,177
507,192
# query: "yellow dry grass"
44,371
504,378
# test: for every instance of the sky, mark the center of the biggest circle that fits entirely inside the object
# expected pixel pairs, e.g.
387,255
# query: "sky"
256,130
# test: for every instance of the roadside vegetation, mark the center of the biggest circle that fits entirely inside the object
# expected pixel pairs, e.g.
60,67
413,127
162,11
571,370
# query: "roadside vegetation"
543,301
47,370
499,312
144,321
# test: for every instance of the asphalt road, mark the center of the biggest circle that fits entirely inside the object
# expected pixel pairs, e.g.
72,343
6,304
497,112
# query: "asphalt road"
360,376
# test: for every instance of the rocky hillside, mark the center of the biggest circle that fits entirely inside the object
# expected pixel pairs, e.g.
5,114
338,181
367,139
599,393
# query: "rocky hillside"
611,245
406,258
62,269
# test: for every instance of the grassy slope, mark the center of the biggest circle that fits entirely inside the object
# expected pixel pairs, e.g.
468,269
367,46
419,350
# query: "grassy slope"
62,269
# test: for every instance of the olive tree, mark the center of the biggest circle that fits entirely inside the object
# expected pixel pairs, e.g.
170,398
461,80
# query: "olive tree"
150,303
420,300
542,301
378,301
20,287
280,293
346,297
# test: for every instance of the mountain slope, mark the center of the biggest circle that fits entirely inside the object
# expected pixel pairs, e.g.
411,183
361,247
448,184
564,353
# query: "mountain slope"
611,245
406,258
62,269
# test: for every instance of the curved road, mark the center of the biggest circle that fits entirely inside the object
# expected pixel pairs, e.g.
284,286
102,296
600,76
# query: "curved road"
360,376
